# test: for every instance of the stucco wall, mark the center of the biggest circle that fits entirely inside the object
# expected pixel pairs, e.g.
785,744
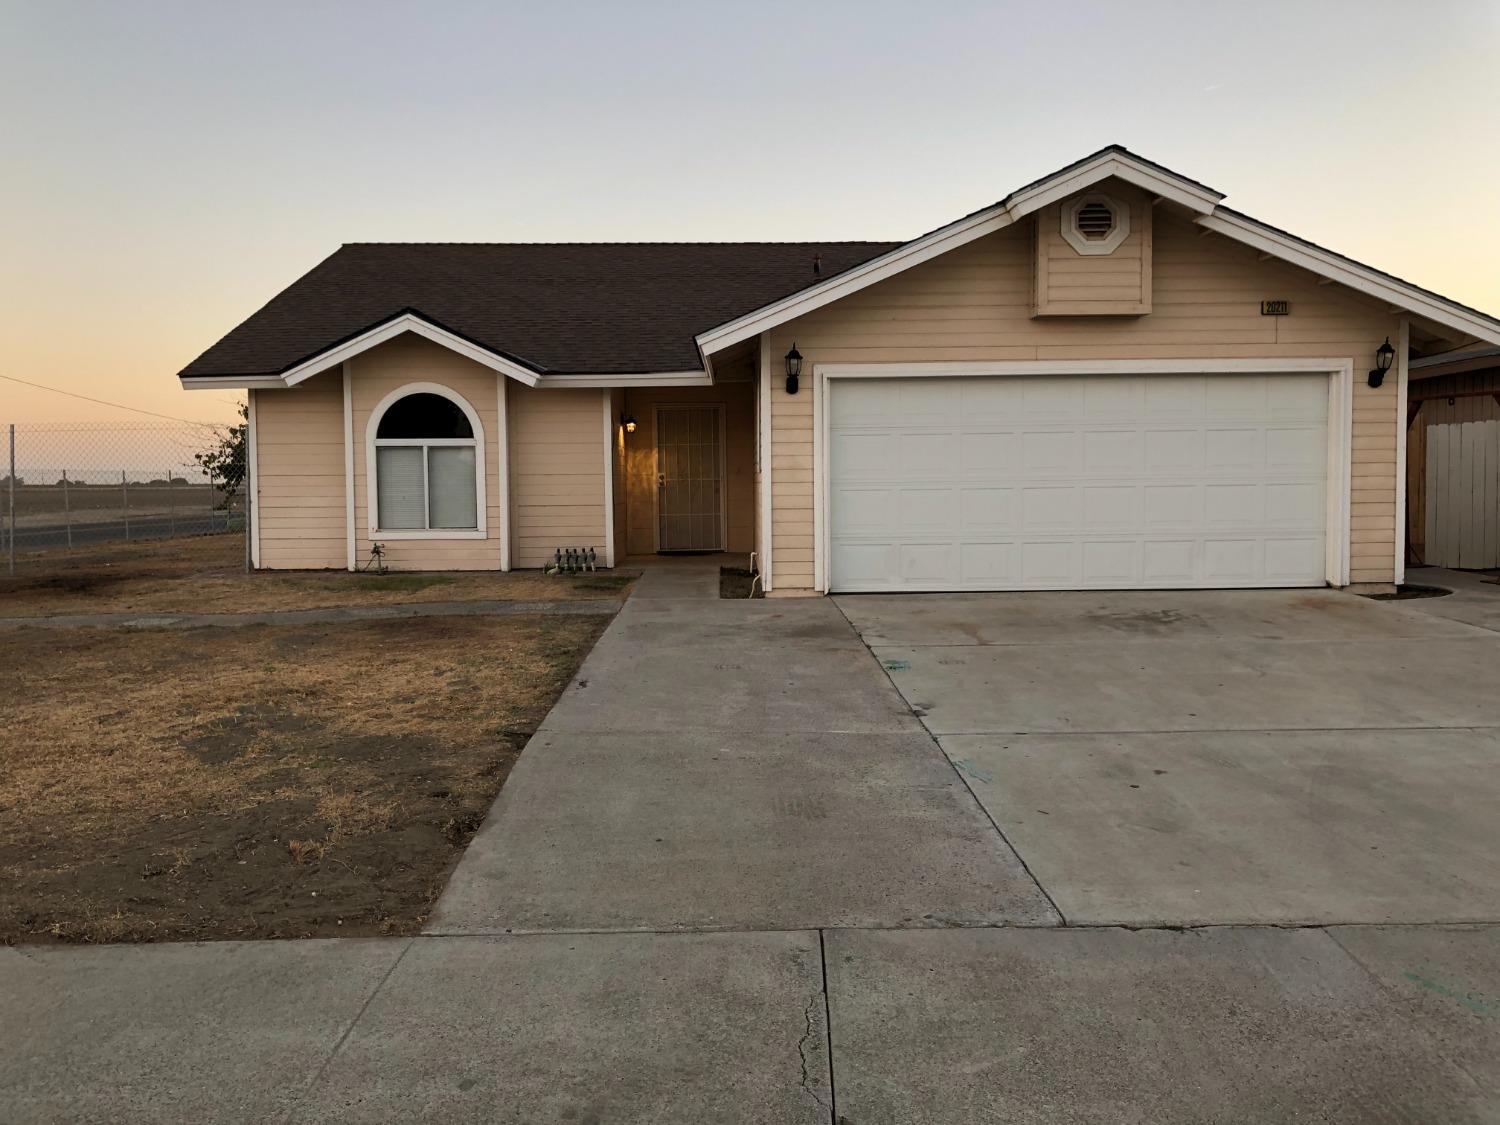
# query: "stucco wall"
975,303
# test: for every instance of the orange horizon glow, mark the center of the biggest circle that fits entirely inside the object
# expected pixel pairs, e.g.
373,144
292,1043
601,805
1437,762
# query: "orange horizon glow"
172,166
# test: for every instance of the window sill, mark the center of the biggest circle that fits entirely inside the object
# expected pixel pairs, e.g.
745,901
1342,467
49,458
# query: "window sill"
377,534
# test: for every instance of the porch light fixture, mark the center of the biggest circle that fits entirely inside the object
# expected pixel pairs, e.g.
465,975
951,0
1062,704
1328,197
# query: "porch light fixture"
793,369
628,422
1383,357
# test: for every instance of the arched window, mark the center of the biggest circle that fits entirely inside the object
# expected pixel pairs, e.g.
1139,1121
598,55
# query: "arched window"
428,463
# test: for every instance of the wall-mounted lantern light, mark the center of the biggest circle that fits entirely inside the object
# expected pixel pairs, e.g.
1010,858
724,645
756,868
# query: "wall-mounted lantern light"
793,369
628,421
1383,357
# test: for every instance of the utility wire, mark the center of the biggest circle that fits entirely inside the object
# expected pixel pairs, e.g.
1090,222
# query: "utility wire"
102,402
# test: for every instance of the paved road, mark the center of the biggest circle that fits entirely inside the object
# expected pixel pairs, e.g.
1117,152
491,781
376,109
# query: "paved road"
750,871
87,533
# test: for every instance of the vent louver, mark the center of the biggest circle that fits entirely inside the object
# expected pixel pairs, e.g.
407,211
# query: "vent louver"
1095,220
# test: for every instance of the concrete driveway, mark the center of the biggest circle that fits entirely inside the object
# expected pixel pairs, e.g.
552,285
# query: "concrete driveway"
1205,758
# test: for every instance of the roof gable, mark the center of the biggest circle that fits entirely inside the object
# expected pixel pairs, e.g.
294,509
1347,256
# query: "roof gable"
1114,162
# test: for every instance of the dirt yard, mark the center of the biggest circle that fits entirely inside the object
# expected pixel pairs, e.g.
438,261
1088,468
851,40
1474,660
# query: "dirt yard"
264,782
199,575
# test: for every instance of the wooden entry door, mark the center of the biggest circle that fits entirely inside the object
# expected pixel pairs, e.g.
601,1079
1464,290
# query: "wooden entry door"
690,478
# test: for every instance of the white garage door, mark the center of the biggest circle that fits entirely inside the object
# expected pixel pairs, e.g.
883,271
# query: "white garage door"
1077,482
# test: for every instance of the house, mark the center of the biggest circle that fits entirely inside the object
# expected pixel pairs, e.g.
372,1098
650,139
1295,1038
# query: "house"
1106,380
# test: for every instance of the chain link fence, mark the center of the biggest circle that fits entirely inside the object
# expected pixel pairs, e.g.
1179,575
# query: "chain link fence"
68,493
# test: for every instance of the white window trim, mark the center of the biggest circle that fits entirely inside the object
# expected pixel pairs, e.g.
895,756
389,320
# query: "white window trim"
372,489
1093,247
1340,373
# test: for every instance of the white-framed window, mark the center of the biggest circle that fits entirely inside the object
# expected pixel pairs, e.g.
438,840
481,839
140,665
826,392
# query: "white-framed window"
425,453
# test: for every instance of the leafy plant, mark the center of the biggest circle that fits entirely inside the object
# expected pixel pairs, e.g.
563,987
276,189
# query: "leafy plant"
226,460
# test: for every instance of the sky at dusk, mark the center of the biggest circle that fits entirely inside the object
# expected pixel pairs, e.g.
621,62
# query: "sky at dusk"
170,166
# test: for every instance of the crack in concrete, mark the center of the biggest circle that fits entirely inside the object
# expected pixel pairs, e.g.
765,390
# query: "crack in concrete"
814,1002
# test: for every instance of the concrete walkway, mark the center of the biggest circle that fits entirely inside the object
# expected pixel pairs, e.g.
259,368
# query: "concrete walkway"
805,915
599,607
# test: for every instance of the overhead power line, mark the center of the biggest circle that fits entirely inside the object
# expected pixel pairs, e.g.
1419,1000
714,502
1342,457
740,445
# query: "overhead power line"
102,402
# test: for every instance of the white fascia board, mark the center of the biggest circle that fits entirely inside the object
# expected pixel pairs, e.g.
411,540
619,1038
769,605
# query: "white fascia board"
1359,278
231,382
639,379
407,322
1119,166
876,269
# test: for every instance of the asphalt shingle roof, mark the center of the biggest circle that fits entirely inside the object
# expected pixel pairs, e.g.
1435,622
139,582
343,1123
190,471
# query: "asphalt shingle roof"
558,308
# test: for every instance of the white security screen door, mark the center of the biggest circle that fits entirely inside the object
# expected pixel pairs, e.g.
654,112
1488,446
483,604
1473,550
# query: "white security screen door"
690,478
1077,482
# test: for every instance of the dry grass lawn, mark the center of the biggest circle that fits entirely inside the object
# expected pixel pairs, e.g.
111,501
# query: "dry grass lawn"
262,781
207,575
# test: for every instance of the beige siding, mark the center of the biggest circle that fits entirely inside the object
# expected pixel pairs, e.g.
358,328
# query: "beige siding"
300,461
639,478
411,359
556,472
1072,284
975,303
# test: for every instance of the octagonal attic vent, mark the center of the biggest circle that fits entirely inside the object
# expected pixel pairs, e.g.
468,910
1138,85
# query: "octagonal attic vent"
1095,223
1095,220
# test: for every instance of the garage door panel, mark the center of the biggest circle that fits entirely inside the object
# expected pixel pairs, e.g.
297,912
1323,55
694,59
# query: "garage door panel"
1295,449
1112,451
1111,507
1173,452
989,452
1238,449
928,510
1111,562
931,454
1051,509
1077,482
1289,560
987,565
986,511
1169,562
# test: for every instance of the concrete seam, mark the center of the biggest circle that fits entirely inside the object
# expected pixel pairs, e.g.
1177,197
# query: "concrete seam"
969,789
339,1046
833,1095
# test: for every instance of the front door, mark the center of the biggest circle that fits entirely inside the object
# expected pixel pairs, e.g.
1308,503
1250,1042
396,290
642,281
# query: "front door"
690,478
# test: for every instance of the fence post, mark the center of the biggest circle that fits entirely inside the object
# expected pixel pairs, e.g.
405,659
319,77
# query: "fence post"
12,498
67,510
125,492
249,565
171,504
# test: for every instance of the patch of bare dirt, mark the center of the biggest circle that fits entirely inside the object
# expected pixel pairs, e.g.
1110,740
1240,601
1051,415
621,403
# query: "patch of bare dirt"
258,782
